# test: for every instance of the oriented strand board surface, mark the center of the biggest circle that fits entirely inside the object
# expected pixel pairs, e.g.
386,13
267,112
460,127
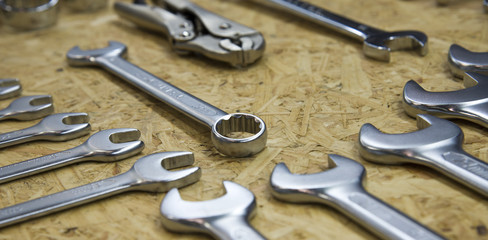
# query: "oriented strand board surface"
314,88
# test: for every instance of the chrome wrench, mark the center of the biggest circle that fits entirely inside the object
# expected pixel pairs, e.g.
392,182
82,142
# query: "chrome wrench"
148,174
28,108
9,87
112,59
104,146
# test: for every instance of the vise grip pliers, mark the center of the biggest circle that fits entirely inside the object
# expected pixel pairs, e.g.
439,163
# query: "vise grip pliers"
191,28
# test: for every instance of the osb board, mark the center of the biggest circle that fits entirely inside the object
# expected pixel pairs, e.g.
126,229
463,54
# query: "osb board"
314,89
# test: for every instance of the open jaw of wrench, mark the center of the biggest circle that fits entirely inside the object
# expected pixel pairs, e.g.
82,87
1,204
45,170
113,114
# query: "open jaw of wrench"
148,174
56,127
9,87
462,60
377,44
104,146
28,108
470,103
221,123
226,217
437,145
341,188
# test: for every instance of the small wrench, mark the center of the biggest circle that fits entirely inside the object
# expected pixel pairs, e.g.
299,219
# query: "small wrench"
377,43
462,60
223,218
112,59
104,146
28,108
9,87
56,127
438,145
341,188
148,174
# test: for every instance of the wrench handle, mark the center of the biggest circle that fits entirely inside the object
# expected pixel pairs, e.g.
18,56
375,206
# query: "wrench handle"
162,90
19,136
324,18
234,229
65,199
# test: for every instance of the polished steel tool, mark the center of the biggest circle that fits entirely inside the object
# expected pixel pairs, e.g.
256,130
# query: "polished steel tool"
104,146
377,43
56,127
438,145
341,188
29,14
470,104
148,174
9,87
190,28
462,60
112,59
28,108
225,218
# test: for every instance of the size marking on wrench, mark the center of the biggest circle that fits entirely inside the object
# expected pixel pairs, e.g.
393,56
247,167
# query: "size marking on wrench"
377,44
222,124
28,108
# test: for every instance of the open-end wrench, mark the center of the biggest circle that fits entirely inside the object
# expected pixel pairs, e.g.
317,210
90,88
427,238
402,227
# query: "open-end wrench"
438,145
377,44
223,218
9,87
462,60
104,146
28,108
148,174
56,127
341,188
112,59
470,103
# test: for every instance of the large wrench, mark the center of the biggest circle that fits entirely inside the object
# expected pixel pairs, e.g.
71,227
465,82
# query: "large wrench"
148,174
377,43
104,146
112,59
28,108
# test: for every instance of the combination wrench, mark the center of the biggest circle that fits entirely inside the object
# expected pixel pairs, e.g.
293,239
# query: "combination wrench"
28,108
377,43
221,123
9,87
104,146
148,174
462,60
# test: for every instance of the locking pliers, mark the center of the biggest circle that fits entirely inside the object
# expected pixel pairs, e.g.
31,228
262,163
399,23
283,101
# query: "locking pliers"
190,28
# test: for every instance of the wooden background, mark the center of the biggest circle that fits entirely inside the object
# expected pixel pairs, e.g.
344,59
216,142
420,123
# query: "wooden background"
314,89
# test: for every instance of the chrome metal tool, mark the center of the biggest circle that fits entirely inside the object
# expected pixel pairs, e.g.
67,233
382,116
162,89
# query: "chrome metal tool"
104,146
148,174
28,108
377,43
29,14
56,127
221,123
190,28
225,218
470,104
341,188
9,87
437,145
462,60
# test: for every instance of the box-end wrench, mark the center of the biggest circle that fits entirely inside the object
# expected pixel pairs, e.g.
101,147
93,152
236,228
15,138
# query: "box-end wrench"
9,87
377,43
437,145
104,146
341,188
224,218
148,174
28,108
56,127
112,59
462,60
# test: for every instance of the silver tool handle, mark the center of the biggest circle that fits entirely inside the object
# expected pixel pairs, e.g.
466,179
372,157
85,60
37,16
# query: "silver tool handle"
162,90
65,199
19,136
40,164
323,17
234,229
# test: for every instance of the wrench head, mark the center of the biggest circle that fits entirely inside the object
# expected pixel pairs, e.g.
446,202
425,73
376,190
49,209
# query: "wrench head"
435,137
185,216
302,188
379,46
9,87
78,57
114,144
462,60
30,107
152,170
63,126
